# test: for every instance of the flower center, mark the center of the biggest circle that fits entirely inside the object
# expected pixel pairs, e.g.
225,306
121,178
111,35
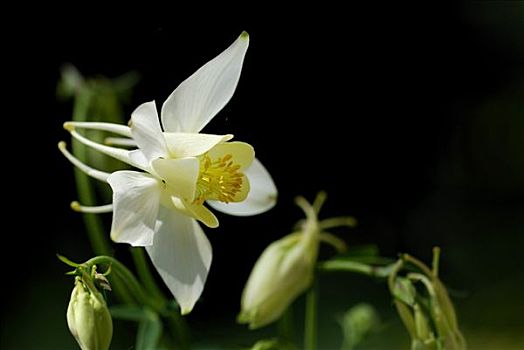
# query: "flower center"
218,179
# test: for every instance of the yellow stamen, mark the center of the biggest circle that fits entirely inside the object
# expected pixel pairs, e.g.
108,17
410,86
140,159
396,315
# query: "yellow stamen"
219,179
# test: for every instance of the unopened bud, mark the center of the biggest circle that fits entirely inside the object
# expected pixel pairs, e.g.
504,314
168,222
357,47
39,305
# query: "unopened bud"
283,272
88,318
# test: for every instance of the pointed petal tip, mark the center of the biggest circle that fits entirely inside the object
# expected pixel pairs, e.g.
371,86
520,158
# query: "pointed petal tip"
244,35
185,310
62,145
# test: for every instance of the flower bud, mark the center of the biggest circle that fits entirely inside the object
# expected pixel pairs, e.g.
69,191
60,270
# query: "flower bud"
283,271
88,318
286,267
357,323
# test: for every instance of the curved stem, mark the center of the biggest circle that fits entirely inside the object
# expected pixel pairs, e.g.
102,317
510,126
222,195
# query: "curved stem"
129,279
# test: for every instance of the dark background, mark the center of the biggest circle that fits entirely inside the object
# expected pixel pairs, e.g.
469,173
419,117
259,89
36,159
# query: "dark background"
412,120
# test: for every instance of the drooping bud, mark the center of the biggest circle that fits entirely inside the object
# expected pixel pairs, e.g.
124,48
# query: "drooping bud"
283,272
88,317
286,267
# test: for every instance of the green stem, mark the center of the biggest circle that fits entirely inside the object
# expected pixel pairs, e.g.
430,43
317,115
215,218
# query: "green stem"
436,259
310,329
358,267
144,272
285,328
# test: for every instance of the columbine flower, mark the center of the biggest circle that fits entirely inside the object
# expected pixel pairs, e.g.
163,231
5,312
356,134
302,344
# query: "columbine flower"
286,267
182,170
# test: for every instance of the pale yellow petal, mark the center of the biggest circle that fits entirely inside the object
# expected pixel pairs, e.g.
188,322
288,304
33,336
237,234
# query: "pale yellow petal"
180,175
241,153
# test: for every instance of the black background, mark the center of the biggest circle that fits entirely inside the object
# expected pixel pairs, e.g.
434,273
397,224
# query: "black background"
407,117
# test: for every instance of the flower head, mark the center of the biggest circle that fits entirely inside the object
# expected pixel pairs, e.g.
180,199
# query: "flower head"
181,170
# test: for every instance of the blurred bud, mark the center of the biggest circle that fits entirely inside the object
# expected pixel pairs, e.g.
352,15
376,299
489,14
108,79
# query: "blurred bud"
358,323
404,290
88,317
283,272
70,83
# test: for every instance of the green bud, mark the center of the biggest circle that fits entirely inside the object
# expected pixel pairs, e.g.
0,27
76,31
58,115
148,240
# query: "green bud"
286,267
358,323
283,272
404,290
88,317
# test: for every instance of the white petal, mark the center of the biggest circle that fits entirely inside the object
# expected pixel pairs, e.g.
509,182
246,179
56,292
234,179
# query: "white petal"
136,199
140,160
262,195
182,255
180,175
201,96
182,144
146,131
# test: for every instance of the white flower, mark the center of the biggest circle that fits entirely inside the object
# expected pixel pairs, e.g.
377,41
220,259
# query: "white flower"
181,170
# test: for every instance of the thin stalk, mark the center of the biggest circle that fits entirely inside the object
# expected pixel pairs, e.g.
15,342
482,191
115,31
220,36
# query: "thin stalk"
144,272
285,328
357,267
310,329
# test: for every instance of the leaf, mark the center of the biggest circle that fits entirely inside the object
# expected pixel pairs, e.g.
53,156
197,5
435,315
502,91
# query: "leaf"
66,261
